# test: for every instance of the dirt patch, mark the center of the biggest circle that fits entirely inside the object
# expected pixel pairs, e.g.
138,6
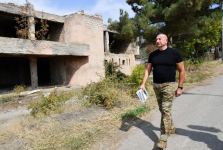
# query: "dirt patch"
84,115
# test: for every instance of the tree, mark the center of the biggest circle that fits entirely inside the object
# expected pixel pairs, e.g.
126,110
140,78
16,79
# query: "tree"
126,30
188,22
125,27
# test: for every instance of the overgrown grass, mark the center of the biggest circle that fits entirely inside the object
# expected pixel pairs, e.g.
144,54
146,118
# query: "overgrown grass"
68,140
12,96
109,91
199,71
7,98
49,104
82,141
193,64
134,113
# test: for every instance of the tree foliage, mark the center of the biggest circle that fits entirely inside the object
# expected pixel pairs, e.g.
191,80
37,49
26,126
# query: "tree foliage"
194,25
125,27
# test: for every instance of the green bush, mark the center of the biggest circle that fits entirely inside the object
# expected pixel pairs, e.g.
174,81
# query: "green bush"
137,75
135,79
103,93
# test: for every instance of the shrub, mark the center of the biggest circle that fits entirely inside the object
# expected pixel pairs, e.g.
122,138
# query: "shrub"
103,93
19,88
112,70
137,75
136,78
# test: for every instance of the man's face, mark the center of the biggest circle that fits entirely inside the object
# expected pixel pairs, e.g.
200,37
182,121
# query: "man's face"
161,40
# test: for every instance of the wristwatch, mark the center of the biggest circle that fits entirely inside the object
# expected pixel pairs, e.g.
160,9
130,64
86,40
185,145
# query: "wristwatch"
180,87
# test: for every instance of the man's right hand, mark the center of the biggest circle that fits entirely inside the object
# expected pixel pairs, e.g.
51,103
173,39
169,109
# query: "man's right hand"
142,86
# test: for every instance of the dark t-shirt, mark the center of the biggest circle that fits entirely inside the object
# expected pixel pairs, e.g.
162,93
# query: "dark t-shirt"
164,65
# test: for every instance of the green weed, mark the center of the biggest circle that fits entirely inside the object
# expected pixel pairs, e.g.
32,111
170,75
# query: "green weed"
137,112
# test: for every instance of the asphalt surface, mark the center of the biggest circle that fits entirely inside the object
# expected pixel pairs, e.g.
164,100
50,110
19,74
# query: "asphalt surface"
197,115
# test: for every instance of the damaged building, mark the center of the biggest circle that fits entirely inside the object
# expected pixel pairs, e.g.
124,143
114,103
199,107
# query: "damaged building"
71,53
126,56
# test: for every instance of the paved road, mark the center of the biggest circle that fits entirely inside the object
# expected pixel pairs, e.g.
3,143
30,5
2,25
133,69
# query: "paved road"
198,117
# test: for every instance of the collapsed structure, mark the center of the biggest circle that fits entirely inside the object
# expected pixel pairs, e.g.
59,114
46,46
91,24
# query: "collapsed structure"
72,52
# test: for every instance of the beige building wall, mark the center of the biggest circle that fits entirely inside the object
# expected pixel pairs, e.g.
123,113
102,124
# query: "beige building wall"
125,61
85,29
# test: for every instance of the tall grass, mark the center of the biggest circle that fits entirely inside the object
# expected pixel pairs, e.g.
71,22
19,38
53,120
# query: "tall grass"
196,71
49,104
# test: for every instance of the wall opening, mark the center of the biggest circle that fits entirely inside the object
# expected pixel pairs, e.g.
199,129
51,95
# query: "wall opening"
54,29
51,71
14,71
43,71
117,46
8,25
123,62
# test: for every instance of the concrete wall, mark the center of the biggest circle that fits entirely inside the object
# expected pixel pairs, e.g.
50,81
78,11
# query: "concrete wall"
38,47
82,28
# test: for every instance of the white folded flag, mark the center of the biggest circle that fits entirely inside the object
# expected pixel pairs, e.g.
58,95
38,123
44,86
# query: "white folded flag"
142,95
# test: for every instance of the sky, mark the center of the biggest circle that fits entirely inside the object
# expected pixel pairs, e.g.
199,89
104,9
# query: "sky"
105,8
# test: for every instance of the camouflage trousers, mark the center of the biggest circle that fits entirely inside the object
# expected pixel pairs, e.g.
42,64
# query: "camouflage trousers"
165,94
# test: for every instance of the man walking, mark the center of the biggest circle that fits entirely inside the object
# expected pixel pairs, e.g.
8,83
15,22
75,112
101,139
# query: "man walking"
164,62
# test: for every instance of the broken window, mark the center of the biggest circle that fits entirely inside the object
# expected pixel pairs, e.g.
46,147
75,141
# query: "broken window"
7,25
47,30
